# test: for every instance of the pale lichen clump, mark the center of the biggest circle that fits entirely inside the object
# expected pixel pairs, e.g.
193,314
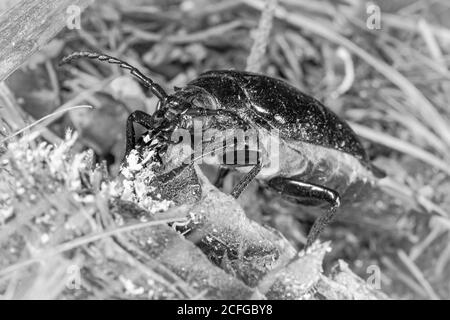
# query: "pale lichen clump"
130,287
29,170
51,195
138,171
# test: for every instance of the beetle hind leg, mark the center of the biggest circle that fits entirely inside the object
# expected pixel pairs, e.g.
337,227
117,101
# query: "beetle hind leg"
245,181
320,224
300,190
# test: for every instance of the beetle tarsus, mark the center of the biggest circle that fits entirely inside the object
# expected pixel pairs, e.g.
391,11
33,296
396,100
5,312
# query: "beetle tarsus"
245,181
320,224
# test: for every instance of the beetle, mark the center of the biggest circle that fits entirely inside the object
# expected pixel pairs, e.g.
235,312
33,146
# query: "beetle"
321,160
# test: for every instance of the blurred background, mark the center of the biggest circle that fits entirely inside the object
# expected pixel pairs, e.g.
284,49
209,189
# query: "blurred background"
383,66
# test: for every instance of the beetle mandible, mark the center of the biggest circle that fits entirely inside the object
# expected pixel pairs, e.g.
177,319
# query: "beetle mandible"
320,157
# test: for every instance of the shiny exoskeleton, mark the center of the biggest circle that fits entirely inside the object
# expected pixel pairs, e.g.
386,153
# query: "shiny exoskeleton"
320,158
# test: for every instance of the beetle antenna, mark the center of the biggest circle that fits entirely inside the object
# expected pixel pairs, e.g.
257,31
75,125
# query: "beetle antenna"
156,89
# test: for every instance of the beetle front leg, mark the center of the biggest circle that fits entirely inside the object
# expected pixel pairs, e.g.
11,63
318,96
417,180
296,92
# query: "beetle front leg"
298,189
139,117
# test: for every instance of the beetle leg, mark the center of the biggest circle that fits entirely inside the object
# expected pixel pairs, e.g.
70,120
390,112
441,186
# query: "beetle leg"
202,112
139,117
221,177
245,181
298,189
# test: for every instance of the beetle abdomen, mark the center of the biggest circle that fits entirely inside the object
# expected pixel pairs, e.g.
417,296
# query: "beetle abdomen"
274,104
330,168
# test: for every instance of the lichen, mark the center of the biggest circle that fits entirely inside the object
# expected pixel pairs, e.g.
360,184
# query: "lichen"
136,185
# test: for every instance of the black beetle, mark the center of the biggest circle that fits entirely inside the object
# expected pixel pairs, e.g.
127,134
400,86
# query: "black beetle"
321,158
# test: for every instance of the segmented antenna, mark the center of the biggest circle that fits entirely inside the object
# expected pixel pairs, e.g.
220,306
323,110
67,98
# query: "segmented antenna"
146,81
